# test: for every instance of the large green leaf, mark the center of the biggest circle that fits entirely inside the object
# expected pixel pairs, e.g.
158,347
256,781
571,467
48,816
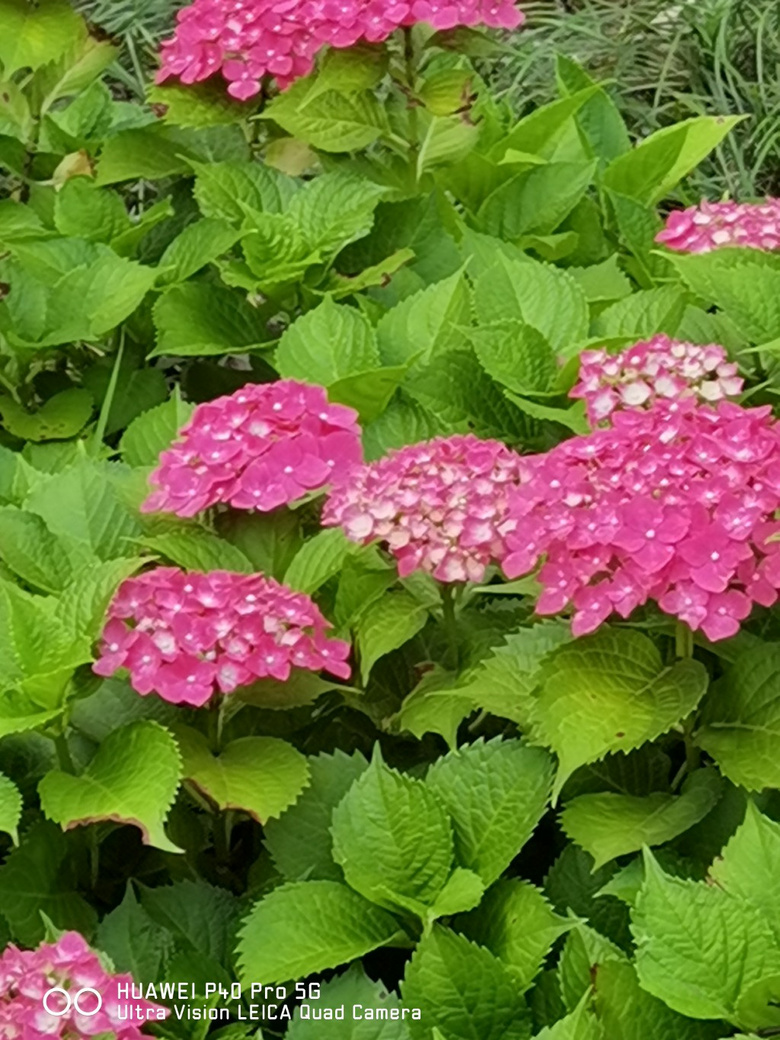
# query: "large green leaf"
198,550
154,431
547,298
700,949
133,778
84,211
385,625
300,841
660,162
34,35
610,692
306,926
10,808
643,314
393,840
202,319
629,1012
333,122
260,775
202,918
81,504
330,342
226,190
740,721
29,548
581,1024
747,866
367,1005
517,924
610,825
425,323
515,355
495,793
334,210
134,941
198,244
535,201
463,990
41,876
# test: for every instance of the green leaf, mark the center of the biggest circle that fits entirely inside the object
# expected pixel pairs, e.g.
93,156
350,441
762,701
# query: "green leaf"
659,163
602,282
547,298
196,104
425,323
134,941
306,926
334,209
81,607
357,995
332,122
573,417
154,431
495,793
318,560
29,548
517,924
269,540
84,211
699,948
198,244
369,393
260,775
444,139
610,825
386,625
584,952
348,71
747,865
59,418
33,644
610,692
133,778
581,1024
628,1012
159,150
742,282
10,808
82,504
541,132
535,201
198,550
463,990
599,118
573,885
515,355
643,314
463,891
196,319
393,840
330,342
300,841
36,35
740,721
226,190
40,876
201,918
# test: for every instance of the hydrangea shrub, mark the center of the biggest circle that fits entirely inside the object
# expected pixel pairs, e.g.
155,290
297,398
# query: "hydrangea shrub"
389,527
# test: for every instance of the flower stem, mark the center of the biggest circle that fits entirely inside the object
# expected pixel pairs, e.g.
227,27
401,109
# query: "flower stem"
450,625
63,753
411,86
683,641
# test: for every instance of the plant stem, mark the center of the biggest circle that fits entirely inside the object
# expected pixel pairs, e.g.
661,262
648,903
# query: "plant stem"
683,641
450,624
411,85
63,753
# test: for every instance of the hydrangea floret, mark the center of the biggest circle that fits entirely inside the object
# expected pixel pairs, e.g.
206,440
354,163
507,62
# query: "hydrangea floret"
186,635
263,446
69,965
674,504
438,506
656,369
713,225
247,40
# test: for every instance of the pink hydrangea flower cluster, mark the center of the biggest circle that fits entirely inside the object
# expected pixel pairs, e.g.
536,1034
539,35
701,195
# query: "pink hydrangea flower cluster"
438,506
262,447
246,40
711,225
185,635
85,1002
658,368
675,504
